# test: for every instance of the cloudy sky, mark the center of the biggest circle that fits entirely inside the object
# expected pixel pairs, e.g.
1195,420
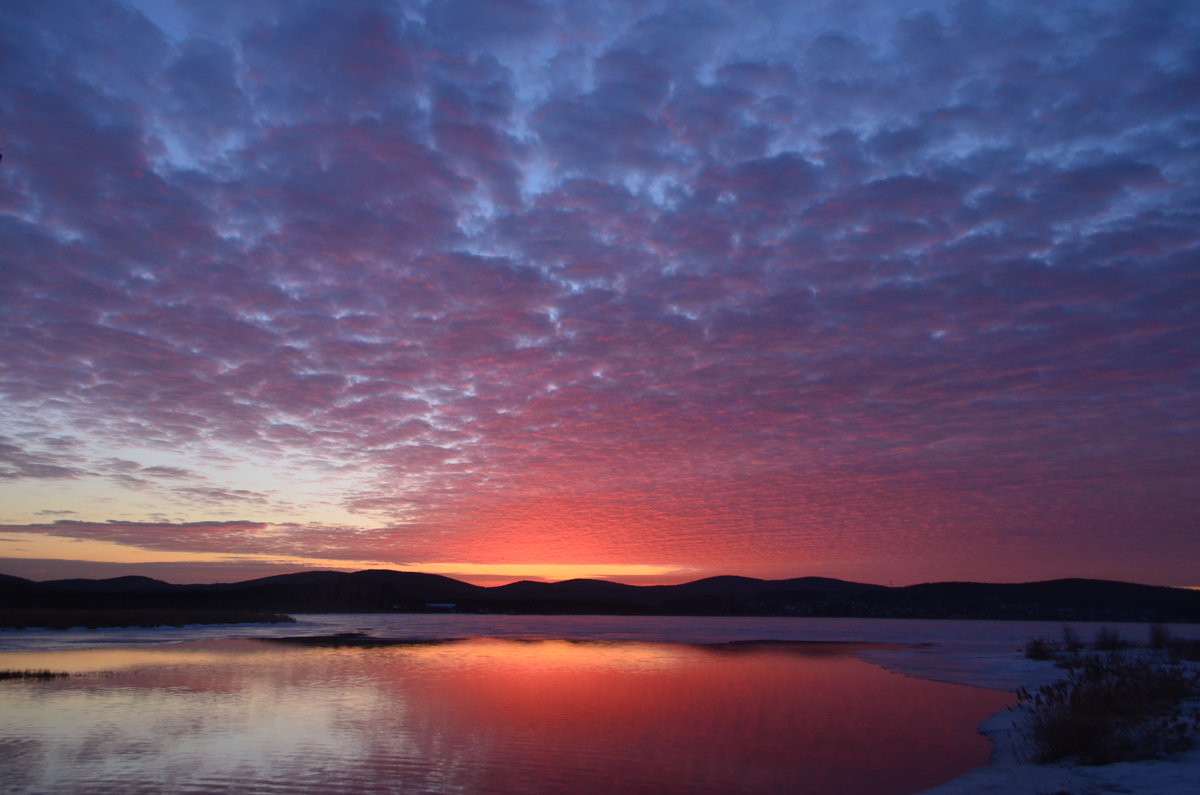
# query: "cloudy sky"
893,292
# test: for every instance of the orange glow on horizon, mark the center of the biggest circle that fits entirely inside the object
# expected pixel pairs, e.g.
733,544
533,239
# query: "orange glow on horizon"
29,545
498,573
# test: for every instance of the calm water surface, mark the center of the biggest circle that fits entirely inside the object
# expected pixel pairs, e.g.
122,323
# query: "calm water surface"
482,715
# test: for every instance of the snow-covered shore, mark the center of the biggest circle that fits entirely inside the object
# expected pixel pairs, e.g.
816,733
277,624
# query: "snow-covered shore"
1009,773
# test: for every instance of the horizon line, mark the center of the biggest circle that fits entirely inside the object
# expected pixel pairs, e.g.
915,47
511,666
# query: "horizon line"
593,579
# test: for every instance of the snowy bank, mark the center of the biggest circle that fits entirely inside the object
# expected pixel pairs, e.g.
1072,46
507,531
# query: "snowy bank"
1008,773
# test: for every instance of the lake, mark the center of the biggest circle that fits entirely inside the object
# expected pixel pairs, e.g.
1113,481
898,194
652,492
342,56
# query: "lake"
510,704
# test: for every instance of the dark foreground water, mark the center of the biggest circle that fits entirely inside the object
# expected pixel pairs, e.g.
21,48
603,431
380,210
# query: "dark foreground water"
483,715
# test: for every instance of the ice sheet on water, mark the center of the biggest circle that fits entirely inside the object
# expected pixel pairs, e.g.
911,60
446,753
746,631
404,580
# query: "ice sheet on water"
979,640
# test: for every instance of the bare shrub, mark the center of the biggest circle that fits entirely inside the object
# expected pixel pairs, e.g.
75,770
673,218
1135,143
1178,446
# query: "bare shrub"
1109,709
1108,639
1160,637
1070,639
1039,649
1185,649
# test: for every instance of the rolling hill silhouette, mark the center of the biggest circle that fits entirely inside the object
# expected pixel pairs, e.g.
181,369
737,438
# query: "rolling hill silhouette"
386,591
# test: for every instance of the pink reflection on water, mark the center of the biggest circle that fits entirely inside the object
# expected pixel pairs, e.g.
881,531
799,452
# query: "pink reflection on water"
495,716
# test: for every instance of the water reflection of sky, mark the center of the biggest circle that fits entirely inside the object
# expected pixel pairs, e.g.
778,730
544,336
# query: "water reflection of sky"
485,715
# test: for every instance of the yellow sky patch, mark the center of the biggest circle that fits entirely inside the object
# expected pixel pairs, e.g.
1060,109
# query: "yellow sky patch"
36,546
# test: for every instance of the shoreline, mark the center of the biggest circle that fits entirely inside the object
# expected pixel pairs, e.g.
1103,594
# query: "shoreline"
1007,772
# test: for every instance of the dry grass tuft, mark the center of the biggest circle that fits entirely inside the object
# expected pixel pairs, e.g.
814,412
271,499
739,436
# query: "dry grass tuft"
30,673
1113,709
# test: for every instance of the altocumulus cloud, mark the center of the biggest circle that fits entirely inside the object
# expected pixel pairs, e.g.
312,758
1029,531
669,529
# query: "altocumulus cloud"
861,289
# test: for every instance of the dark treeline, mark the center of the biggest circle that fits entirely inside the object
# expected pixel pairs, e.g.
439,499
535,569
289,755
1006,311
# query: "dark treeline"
384,591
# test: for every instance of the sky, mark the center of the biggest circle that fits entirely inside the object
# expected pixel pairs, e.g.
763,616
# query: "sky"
647,291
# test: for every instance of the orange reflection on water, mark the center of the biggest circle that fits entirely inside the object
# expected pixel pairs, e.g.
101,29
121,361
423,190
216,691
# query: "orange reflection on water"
499,716
120,658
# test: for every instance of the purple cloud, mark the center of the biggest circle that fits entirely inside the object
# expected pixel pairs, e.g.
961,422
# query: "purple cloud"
887,289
